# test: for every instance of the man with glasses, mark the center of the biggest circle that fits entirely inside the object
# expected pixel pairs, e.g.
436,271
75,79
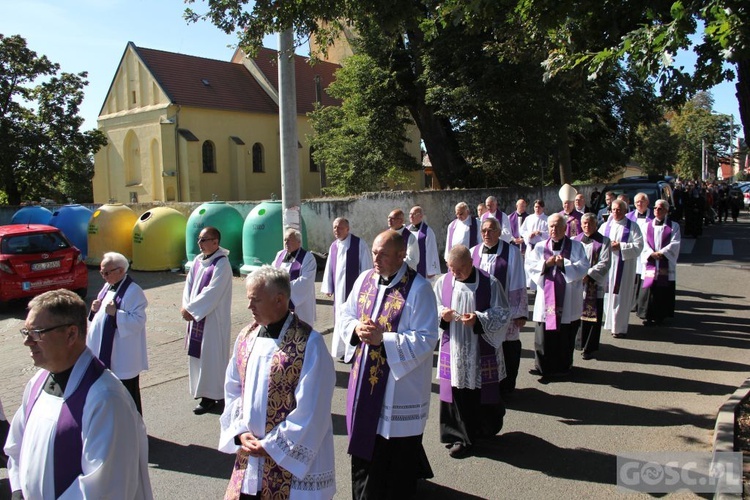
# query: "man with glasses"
77,433
117,324
428,265
207,307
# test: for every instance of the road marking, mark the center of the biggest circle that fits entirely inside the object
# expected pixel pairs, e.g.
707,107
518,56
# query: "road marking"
722,247
686,246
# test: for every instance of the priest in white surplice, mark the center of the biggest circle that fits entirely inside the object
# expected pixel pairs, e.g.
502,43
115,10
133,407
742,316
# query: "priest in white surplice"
463,230
493,211
661,249
117,324
505,262
207,307
534,230
626,245
391,317
77,433
348,257
279,386
396,223
474,317
302,267
557,266
428,263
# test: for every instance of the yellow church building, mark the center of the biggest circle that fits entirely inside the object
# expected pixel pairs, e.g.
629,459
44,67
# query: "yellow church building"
185,129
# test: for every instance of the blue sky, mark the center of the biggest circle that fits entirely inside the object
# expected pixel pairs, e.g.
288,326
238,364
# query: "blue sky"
91,35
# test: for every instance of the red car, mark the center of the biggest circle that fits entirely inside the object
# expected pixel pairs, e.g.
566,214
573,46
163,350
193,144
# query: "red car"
35,258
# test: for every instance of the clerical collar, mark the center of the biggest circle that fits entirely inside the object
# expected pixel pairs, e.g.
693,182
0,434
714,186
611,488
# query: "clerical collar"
472,276
557,245
205,257
116,285
586,238
641,215
273,330
399,229
417,226
490,250
57,382
387,281
290,256
658,222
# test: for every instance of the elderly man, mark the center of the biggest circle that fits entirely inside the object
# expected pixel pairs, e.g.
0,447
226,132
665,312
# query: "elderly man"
661,248
641,214
207,306
557,266
494,211
428,265
481,209
626,245
474,316
117,324
396,223
505,262
391,317
516,220
463,230
570,214
597,247
301,266
603,215
348,257
77,433
580,204
278,391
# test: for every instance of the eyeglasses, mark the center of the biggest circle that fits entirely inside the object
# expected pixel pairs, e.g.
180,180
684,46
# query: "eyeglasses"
36,334
488,230
395,218
201,240
107,273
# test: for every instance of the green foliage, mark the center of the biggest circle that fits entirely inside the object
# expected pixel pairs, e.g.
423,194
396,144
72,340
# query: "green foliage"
361,143
43,152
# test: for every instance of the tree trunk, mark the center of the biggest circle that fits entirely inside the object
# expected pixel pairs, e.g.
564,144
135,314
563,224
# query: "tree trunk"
563,153
743,95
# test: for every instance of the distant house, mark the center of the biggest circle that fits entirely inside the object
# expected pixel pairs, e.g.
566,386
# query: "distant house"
186,128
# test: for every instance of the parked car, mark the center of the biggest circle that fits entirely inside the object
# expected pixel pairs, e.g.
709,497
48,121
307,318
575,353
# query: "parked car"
655,187
35,258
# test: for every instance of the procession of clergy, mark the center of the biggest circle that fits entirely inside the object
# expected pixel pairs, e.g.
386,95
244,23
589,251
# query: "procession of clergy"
78,432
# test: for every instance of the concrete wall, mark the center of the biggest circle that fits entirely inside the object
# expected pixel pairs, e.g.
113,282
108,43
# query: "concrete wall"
367,213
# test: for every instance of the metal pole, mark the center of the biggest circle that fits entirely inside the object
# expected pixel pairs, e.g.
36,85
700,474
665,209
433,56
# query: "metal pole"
290,188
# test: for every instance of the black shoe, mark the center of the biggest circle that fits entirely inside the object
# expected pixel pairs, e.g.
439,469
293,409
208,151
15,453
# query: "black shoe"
458,450
205,406
585,355
536,372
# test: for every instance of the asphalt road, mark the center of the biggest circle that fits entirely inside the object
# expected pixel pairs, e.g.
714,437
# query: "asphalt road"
659,389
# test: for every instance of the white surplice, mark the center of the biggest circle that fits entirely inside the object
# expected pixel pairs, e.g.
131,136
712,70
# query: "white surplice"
409,354
338,346
432,261
214,303
514,286
671,250
532,224
617,306
303,288
129,354
461,234
303,442
464,345
114,462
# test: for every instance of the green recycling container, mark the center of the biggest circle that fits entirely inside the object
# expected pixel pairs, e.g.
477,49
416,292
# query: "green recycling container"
263,235
223,217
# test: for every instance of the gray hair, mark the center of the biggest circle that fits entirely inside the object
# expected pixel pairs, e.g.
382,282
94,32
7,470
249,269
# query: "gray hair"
64,306
292,231
461,205
663,203
589,217
640,195
459,254
116,258
621,203
492,222
272,278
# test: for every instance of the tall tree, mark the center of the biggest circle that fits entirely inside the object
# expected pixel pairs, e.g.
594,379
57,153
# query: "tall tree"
43,152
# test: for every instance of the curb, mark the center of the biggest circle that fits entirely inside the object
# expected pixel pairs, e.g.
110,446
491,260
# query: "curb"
724,432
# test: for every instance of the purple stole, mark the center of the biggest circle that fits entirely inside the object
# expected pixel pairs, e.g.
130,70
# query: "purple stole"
590,295
487,357
283,379
110,322
422,242
572,223
515,231
472,232
554,286
295,268
362,424
68,444
195,328
352,265
649,276
633,215
499,266
620,261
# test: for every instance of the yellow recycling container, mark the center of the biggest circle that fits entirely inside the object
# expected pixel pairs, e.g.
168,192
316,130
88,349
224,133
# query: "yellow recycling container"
110,230
159,240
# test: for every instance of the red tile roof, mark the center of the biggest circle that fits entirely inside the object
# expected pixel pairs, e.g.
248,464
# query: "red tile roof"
209,83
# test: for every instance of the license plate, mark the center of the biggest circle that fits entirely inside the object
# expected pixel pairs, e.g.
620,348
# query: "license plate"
43,266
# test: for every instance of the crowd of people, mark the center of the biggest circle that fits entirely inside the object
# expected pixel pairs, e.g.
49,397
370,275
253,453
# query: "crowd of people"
393,310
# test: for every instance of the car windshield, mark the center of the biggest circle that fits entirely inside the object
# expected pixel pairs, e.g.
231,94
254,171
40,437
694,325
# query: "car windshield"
33,243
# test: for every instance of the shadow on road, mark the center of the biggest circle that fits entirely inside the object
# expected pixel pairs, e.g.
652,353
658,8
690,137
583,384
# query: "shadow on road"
190,459
636,381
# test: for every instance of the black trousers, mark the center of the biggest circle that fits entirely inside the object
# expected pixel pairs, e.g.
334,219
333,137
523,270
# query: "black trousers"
133,385
512,356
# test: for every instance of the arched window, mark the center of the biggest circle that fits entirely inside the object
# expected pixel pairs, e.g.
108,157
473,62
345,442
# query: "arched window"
313,165
209,157
132,159
258,164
